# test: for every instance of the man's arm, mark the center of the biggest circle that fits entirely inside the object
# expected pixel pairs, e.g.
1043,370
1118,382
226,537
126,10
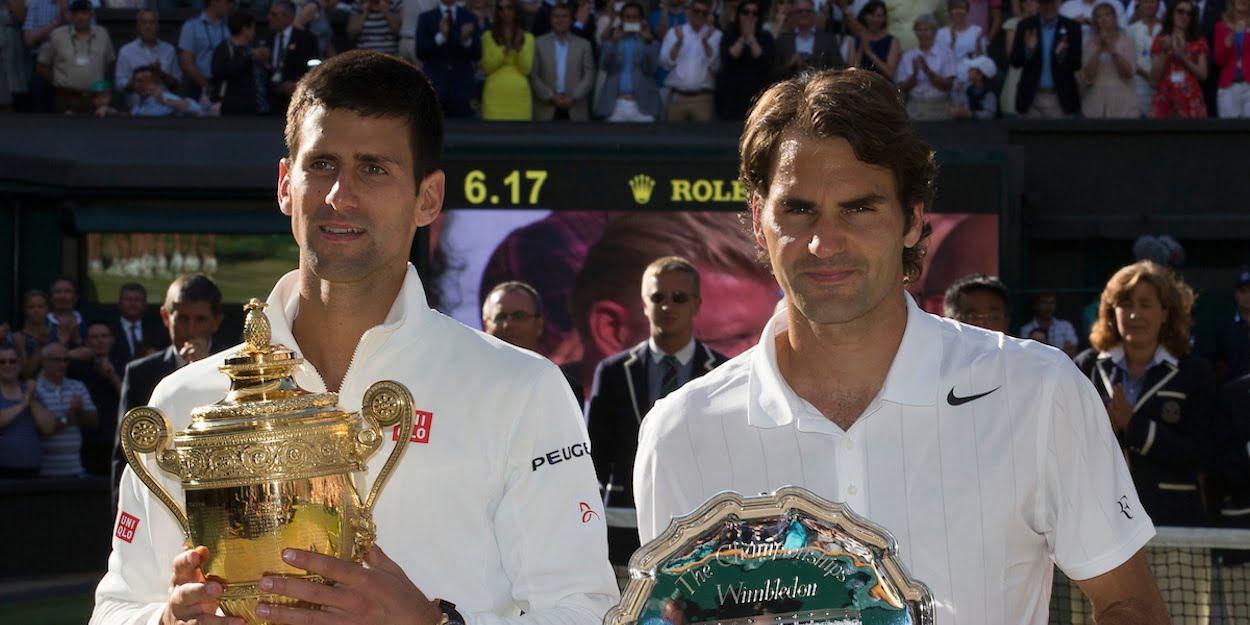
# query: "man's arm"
1126,595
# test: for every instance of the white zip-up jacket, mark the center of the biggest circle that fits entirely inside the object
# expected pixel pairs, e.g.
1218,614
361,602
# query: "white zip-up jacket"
497,511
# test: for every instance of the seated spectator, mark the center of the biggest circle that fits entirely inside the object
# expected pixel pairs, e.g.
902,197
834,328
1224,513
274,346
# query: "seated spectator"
34,333
374,25
926,74
964,38
155,100
805,47
507,58
1056,332
563,72
1109,60
1143,29
979,300
1232,55
22,420
448,44
1231,356
70,404
689,53
102,100
291,48
1178,60
1047,48
147,49
1007,101
629,60
104,382
780,19
75,58
976,99
239,69
1159,397
746,59
873,47
199,37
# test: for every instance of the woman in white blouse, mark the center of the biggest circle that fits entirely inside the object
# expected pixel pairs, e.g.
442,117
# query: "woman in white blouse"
963,38
1142,29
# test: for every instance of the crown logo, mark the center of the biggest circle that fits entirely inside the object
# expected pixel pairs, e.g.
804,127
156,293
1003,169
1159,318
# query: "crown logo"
642,185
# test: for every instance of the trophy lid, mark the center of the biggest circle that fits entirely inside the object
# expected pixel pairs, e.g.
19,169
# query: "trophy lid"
262,383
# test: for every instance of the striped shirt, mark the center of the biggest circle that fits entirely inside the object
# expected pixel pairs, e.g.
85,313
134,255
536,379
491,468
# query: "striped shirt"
376,33
61,450
989,459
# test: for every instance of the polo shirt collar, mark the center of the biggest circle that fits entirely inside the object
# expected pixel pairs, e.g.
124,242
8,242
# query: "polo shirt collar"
912,379
409,306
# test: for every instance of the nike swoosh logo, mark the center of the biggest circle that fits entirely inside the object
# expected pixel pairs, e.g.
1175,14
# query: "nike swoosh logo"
959,401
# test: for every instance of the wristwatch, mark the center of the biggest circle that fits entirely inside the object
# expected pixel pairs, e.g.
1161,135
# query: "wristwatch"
450,615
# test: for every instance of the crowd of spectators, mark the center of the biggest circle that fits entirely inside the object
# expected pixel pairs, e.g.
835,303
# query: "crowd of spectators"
642,61
65,381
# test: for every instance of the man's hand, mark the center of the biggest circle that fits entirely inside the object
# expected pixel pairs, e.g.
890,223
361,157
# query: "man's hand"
444,26
75,405
193,350
379,593
192,597
466,31
1062,46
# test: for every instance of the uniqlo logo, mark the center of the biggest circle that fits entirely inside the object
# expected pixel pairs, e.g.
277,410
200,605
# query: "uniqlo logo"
421,421
126,526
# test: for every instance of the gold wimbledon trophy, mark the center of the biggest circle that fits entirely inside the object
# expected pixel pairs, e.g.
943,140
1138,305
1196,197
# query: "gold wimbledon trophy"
270,466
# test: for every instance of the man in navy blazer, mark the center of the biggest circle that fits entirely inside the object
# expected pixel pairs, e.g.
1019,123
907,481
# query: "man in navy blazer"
1048,49
191,314
449,41
628,383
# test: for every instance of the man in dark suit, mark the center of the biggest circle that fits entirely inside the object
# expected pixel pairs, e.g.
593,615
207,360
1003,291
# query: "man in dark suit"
1048,48
806,47
291,49
191,314
627,384
133,334
448,43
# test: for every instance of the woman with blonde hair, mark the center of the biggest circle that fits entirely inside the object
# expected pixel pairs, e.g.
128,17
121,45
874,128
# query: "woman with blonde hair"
1110,58
1159,397
1142,29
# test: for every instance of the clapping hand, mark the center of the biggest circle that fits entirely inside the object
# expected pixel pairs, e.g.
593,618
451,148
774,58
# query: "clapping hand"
466,30
1120,411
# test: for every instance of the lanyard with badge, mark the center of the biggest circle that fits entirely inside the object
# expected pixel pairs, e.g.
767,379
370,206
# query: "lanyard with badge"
208,34
80,59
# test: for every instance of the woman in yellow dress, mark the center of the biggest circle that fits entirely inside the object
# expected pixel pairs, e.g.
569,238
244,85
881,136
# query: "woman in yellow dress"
507,56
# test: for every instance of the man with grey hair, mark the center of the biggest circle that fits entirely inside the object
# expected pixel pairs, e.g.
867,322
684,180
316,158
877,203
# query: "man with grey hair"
147,50
291,49
70,403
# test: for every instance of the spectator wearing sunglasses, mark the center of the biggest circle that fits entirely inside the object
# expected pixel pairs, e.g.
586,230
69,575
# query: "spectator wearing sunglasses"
628,383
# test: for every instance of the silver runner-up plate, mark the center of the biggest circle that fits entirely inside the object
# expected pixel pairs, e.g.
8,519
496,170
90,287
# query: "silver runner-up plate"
789,558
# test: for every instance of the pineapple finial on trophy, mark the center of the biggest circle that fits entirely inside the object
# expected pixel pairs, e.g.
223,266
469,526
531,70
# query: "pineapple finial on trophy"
256,330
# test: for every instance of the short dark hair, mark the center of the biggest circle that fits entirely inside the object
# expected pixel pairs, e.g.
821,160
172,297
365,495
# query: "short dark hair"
974,282
240,20
563,6
193,287
63,278
632,4
285,5
1192,32
133,286
860,106
373,84
142,69
871,6
517,285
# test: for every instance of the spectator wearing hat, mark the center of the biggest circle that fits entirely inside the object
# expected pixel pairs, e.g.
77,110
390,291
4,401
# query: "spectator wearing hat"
1232,345
76,57
102,99
1108,64
147,49
975,99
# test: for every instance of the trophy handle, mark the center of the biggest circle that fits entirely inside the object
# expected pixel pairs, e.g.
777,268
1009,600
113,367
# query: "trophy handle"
385,404
145,430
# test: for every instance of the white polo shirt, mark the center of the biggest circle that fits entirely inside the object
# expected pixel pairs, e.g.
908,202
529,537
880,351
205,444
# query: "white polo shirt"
985,456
